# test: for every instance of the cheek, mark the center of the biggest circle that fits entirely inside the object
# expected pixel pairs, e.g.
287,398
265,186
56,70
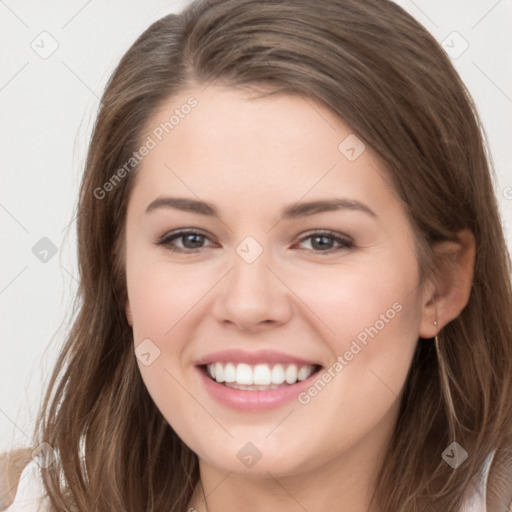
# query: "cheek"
361,300
163,299
369,318
161,295
375,326
165,302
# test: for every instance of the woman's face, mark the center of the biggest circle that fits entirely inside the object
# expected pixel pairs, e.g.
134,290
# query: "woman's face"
301,261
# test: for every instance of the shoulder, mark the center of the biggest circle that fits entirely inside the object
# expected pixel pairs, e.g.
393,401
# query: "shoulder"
475,496
12,464
22,487
492,489
499,483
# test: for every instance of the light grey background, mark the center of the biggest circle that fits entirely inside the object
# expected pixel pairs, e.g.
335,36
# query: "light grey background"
47,110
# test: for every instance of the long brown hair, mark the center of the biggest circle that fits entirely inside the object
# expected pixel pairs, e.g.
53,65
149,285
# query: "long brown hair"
387,77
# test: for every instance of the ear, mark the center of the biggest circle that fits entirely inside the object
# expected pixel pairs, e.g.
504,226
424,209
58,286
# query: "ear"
128,311
447,293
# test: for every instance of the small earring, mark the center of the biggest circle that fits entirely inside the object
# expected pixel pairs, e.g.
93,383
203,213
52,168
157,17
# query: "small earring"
443,374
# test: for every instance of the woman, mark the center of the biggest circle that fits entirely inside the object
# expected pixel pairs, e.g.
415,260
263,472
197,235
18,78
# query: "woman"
295,291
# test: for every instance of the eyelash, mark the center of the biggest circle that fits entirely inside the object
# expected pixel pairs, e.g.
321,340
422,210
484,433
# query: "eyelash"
344,241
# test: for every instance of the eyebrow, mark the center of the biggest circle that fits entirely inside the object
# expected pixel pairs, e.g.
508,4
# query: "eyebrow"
294,211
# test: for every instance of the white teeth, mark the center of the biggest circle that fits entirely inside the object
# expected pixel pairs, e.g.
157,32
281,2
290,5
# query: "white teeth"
252,388
244,374
304,372
219,372
277,375
291,374
229,372
260,376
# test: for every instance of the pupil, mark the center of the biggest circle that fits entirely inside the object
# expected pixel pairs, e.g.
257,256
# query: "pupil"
195,239
323,244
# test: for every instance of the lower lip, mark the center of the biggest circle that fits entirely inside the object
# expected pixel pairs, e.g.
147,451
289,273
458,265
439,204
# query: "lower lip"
254,400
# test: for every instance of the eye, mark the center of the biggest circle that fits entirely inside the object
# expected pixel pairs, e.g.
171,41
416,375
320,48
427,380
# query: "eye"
325,241
191,241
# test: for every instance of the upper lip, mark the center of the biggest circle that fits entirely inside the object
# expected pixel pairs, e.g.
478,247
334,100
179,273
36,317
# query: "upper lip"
254,357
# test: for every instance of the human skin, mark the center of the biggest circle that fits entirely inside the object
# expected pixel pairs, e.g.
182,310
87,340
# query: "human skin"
251,158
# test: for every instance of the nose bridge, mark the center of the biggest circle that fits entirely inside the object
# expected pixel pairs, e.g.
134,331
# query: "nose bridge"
250,271
251,294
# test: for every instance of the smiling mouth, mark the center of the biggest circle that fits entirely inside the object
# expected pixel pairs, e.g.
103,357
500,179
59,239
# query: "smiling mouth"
258,377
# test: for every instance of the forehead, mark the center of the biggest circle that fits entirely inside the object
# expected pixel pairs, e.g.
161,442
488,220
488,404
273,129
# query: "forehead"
260,125
229,141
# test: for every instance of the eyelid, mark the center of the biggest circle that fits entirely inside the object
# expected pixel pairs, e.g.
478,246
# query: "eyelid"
325,232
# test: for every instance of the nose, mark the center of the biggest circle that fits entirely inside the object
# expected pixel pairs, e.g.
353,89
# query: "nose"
252,297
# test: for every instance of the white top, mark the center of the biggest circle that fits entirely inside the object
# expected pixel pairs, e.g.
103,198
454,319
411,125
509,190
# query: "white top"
30,496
